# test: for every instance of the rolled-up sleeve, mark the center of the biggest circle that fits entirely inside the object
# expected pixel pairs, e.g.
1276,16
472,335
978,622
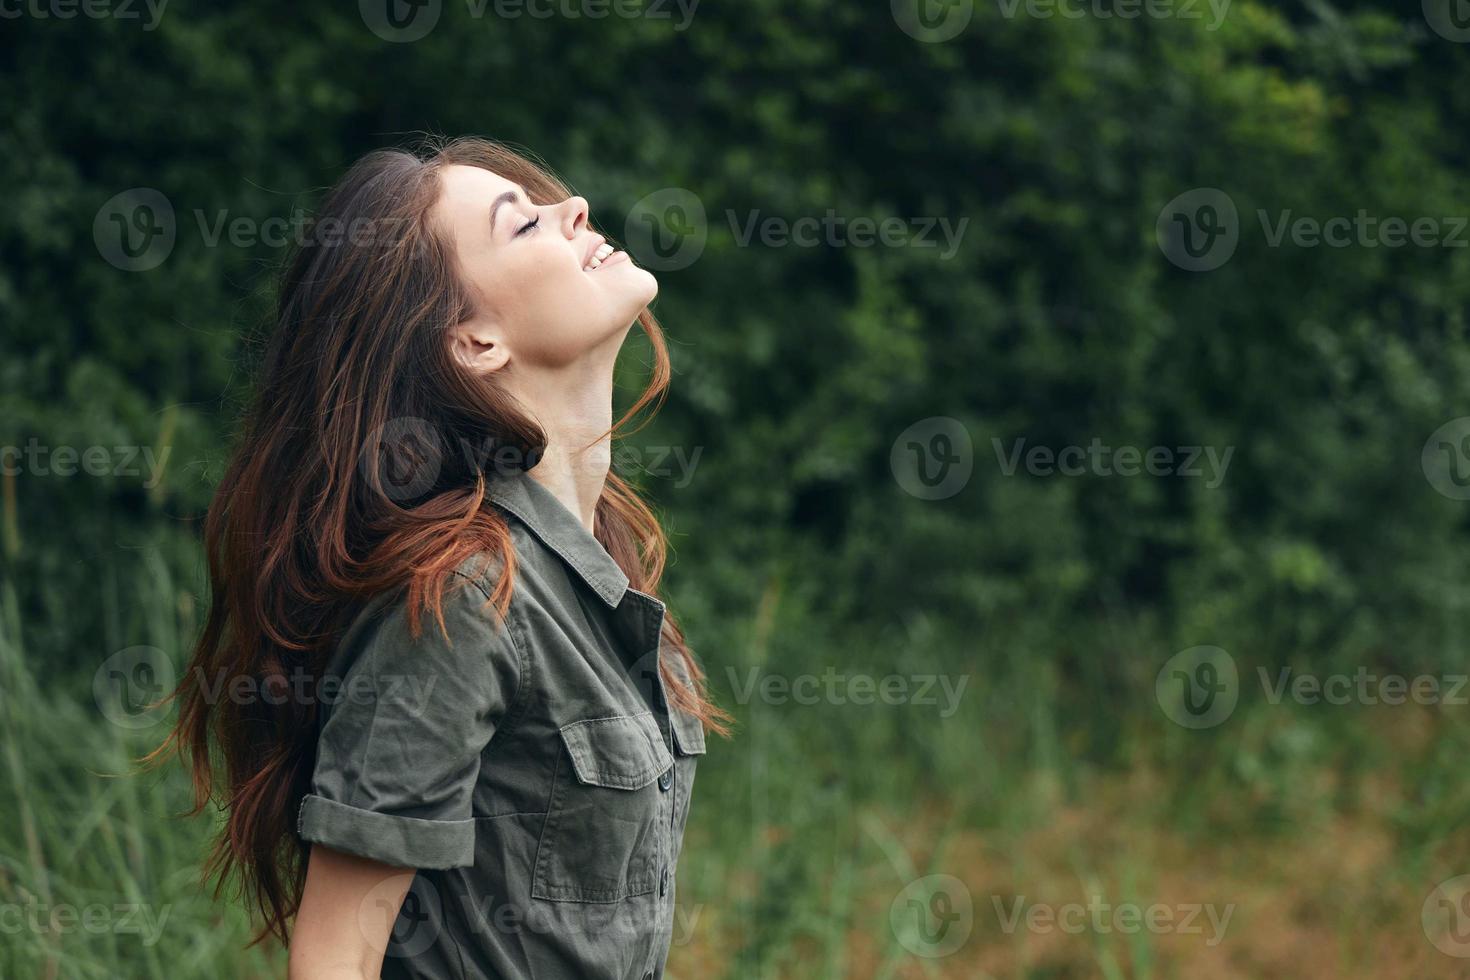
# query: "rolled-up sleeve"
399,753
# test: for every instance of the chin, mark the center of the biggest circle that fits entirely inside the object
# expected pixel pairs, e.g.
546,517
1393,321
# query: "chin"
636,288
651,287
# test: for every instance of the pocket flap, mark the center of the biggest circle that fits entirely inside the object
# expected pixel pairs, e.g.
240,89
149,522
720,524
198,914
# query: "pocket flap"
623,752
688,733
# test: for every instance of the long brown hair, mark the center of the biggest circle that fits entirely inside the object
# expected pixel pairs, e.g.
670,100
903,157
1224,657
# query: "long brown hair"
301,532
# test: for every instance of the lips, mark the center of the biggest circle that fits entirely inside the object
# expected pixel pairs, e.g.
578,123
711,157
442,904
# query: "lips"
601,257
614,259
593,244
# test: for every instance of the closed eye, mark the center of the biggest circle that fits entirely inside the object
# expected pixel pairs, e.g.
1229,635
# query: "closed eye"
528,226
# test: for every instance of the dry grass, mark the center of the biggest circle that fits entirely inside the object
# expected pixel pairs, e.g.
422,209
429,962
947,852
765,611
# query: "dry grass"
1321,901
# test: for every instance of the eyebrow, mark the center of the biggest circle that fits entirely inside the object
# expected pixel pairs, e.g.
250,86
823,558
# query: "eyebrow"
509,197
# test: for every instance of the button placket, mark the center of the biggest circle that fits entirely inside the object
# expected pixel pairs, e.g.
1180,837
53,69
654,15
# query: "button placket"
652,637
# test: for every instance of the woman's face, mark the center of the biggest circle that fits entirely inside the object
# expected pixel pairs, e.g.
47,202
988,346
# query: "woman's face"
541,303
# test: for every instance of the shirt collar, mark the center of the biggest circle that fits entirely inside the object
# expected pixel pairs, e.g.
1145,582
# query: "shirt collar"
558,529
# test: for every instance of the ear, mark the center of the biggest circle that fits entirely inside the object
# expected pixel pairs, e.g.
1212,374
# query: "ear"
478,345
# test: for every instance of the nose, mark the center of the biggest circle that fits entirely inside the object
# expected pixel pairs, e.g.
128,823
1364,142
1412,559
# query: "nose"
574,211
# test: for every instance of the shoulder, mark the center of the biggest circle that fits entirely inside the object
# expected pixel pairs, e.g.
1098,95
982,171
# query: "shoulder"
387,629
536,568
477,574
467,653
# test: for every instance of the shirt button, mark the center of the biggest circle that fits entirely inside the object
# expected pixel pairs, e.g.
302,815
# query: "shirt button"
663,883
666,780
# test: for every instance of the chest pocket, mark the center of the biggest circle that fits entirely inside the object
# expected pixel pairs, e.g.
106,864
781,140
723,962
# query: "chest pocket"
605,823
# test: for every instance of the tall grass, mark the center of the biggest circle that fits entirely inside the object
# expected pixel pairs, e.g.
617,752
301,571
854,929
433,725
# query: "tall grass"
100,876
1056,779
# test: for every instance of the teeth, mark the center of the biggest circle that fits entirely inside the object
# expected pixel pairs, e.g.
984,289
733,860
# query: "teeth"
601,253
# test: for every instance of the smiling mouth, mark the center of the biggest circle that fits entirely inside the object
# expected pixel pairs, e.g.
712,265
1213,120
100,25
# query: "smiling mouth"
605,254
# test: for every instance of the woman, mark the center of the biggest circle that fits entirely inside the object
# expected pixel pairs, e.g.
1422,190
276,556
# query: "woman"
474,728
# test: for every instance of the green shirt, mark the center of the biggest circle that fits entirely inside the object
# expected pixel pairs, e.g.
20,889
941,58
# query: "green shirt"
535,776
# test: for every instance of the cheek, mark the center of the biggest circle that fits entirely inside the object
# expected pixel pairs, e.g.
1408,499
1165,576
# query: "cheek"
558,295
526,289
552,310
551,307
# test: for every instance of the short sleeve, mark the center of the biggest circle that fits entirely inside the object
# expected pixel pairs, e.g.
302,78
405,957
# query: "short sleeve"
399,753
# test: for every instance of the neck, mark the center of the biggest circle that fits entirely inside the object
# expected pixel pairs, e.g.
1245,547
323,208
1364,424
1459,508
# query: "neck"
574,407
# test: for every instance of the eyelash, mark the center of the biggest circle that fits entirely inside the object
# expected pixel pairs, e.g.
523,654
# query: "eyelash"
528,226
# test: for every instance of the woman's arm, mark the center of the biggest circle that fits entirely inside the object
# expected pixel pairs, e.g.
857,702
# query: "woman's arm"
346,917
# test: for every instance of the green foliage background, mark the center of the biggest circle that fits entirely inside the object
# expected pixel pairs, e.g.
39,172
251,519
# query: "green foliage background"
1057,321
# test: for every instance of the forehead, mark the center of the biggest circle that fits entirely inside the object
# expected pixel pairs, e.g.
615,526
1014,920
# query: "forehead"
465,183
466,196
